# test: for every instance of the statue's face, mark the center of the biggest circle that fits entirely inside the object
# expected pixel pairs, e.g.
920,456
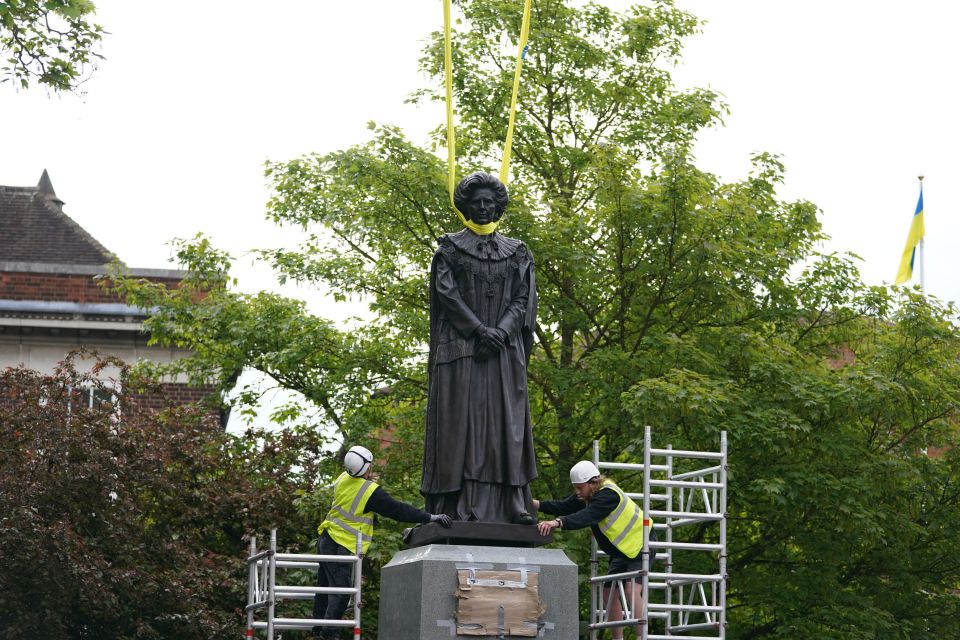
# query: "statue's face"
481,207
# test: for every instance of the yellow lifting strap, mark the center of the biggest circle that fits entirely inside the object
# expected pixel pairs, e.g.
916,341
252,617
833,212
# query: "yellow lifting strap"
481,229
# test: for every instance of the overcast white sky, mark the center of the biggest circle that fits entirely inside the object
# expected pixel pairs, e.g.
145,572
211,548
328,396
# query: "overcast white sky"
193,97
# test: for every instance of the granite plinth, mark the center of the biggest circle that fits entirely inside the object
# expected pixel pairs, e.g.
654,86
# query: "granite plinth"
418,586
489,534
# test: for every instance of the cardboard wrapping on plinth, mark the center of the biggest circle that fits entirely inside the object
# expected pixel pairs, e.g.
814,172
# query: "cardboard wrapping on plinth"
493,603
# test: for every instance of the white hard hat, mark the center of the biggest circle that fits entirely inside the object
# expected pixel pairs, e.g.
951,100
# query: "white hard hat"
357,460
583,471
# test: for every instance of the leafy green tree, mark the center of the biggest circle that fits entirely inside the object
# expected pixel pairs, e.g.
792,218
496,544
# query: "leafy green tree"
51,42
119,523
667,298
840,525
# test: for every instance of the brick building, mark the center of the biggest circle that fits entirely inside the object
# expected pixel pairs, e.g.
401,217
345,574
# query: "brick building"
50,302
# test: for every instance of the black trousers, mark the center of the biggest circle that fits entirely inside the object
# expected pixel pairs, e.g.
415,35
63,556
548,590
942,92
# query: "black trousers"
331,574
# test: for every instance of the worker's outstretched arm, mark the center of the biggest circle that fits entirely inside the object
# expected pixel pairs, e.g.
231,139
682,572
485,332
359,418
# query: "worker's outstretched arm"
383,504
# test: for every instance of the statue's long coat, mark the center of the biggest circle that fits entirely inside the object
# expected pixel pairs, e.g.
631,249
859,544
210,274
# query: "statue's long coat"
478,412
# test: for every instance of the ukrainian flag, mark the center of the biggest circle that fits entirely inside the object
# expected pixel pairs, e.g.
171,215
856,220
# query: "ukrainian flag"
905,272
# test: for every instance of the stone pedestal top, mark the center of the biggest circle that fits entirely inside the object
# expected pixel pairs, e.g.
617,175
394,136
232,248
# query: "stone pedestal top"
491,534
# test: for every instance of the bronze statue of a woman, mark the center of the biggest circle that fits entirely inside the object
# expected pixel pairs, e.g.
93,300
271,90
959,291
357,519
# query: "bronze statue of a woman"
478,452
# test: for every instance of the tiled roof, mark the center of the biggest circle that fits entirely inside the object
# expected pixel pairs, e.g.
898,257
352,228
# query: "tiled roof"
34,228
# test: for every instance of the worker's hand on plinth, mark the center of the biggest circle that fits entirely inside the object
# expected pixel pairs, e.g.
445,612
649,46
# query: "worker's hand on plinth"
442,519
547,526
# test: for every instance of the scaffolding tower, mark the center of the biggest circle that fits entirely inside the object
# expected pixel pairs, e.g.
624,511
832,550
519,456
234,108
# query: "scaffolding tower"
688,603
263,592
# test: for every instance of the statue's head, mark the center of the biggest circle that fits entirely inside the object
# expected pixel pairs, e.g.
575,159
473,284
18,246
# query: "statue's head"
481,197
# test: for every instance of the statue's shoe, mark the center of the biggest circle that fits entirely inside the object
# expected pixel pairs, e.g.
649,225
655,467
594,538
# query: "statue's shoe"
524,518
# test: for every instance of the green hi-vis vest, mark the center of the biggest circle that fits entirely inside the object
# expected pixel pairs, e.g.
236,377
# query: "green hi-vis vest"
624,526
346,518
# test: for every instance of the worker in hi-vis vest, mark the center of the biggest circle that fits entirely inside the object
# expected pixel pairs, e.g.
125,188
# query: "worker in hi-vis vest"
356,498
616,521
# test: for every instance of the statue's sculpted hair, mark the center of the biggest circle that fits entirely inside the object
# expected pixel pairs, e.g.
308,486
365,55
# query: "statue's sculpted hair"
478,180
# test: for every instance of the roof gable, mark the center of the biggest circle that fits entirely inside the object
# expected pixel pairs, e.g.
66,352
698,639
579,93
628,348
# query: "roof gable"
34,228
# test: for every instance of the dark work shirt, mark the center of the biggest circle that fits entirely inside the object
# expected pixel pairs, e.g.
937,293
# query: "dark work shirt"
577,514
383,504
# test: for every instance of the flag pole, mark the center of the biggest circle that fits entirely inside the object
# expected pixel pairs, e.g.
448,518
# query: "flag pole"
923,268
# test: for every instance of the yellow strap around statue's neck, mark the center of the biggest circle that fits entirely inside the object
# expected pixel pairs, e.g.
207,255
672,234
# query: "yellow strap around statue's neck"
481,229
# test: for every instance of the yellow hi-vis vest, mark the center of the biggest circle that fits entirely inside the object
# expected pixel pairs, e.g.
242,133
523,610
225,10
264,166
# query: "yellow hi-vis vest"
345,518
624,526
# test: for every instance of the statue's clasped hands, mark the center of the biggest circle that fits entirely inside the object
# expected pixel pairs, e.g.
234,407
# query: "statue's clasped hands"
489,341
